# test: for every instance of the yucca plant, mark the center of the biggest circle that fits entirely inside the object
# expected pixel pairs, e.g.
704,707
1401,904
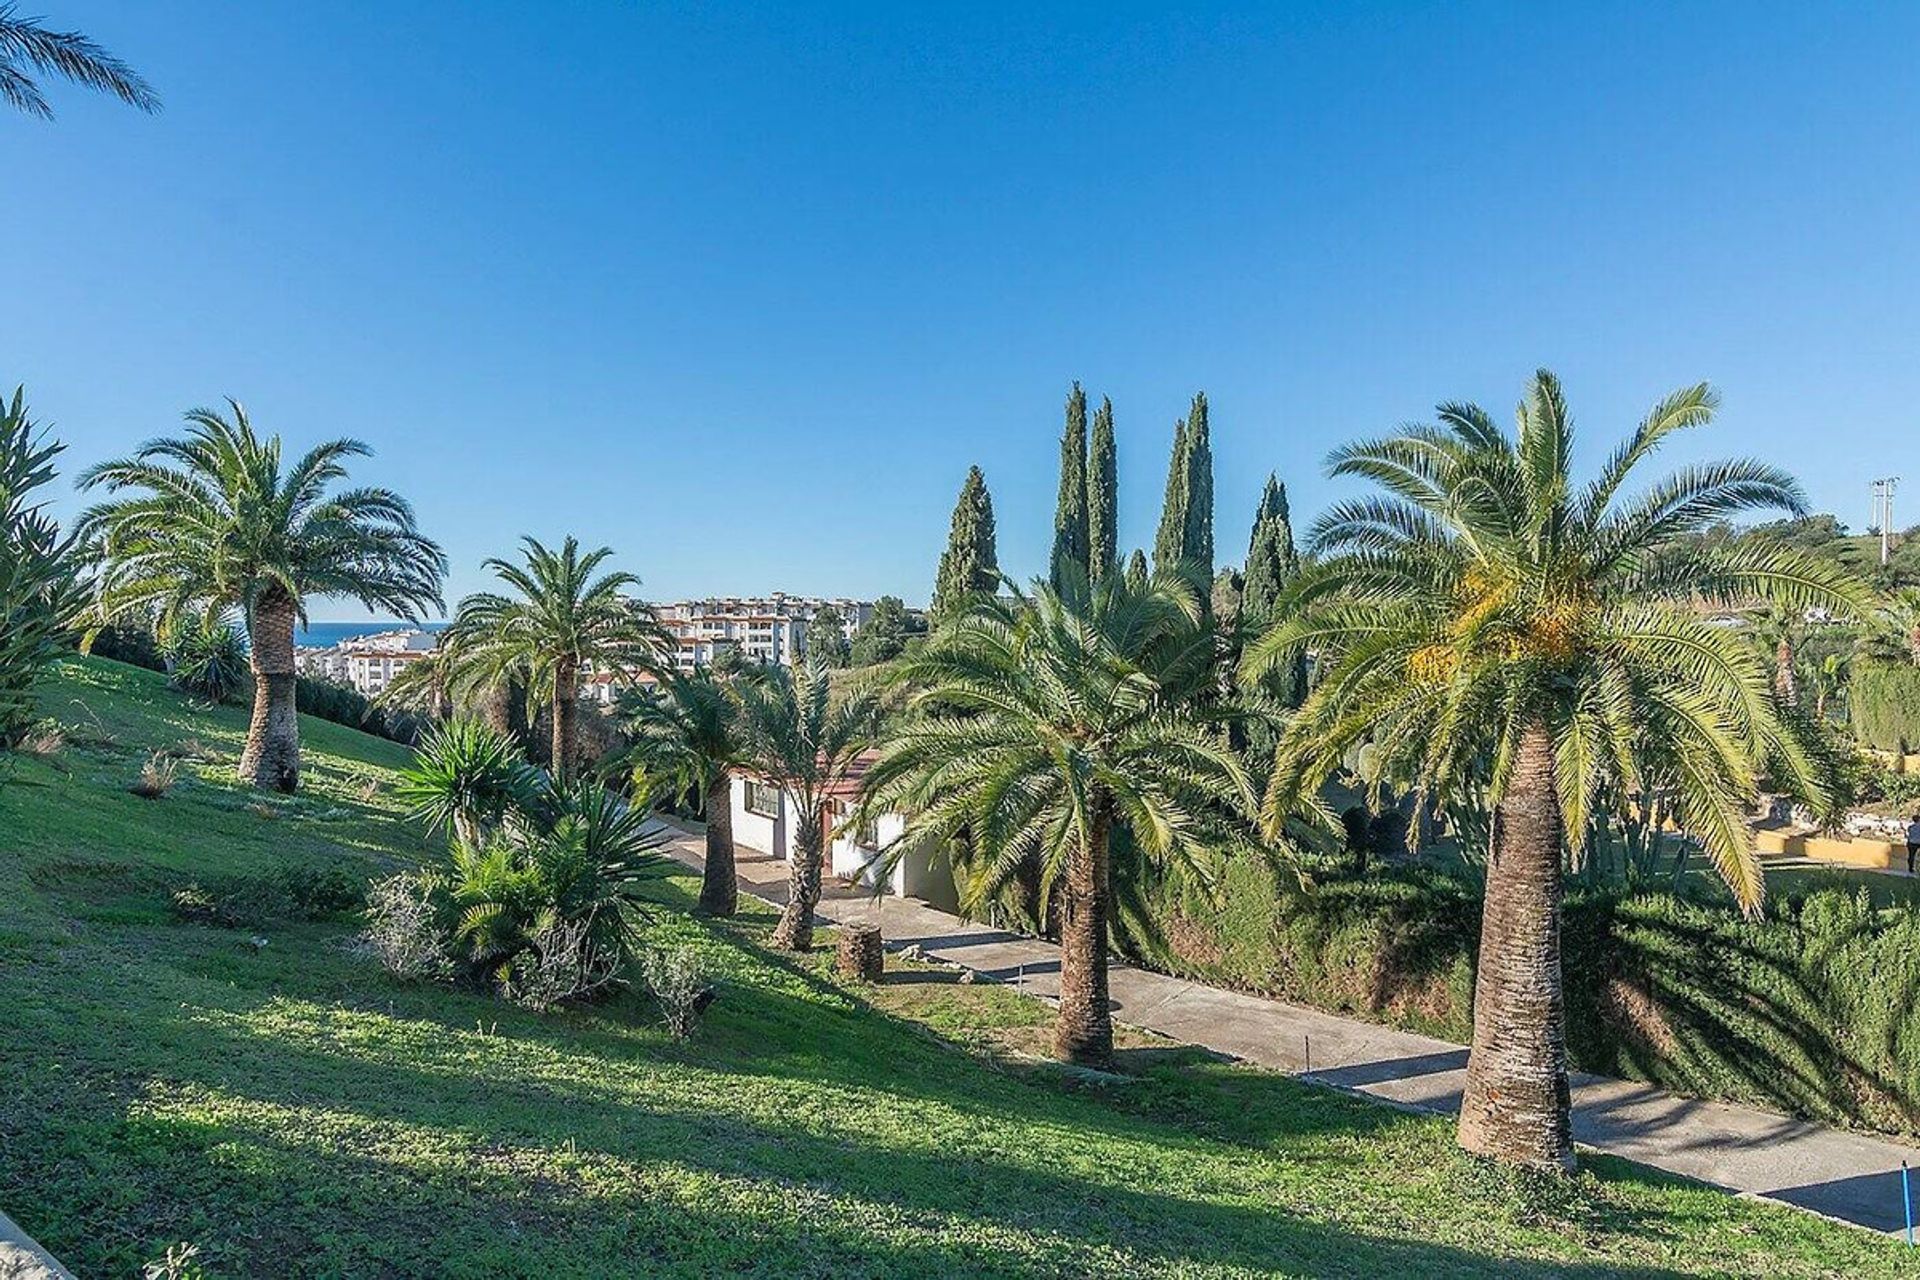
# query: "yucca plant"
207,658
1496,628
39,593
1040,724
575,869
470,777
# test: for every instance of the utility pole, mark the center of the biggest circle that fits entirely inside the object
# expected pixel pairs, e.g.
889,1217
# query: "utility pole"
1883,513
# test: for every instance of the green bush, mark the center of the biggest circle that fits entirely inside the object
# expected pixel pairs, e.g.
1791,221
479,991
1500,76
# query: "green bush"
1814,1009
208,660
1884,699
289,893
346,705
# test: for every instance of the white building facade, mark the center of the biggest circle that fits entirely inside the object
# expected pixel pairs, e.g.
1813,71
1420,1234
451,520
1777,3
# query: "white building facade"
766,628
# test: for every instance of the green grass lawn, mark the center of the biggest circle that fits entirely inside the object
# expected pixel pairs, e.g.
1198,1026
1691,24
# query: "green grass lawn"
295,1112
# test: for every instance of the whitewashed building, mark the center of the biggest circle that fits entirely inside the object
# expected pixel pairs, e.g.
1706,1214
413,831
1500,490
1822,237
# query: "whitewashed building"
767,628
764,820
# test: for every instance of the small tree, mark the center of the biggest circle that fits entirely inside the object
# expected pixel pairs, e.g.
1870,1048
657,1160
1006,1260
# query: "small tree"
970,566
1070,512
1103,496
806,744
827,637
39,596
687,729
884,637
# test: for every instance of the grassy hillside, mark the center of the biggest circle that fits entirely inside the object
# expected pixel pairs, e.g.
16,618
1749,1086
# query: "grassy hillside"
295,1112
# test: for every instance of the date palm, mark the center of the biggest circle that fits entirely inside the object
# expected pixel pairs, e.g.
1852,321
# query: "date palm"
806,743
1492,626
1039,723
559,622
27,46
212,520
688,729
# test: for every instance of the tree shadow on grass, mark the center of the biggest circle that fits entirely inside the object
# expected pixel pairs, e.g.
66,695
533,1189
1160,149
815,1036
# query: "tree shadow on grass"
618,1176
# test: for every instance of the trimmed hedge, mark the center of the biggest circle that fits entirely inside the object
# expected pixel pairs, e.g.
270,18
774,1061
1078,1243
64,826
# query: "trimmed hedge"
1813,1010
1884,702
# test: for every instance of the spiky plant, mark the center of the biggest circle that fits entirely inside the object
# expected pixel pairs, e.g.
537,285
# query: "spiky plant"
558,622
214,521
806,743
206,658
1495,627
468,776
1040,722
39,595
27,46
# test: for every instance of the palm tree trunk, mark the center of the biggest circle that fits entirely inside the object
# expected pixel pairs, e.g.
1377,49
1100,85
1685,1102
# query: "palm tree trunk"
566,679
1083,1031
1516,1107
719,885
1784,682
795,930
271,757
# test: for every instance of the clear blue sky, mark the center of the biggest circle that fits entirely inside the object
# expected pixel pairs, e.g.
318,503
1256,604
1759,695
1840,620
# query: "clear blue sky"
743,291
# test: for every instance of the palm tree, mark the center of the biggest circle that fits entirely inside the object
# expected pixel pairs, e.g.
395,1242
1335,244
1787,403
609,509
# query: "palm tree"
1493,627
561,622
807,744
215,522
688,729
424,685
1039,723
26,45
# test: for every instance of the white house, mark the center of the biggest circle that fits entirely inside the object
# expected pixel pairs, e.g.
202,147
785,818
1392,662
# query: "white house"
764,822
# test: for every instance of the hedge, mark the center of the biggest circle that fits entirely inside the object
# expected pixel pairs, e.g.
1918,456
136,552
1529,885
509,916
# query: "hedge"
1813,1010
1883,699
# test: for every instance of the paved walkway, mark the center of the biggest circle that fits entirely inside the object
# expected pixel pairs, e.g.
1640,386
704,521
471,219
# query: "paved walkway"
1843,1175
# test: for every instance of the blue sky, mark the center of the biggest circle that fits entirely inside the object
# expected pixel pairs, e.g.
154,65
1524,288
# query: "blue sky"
742,291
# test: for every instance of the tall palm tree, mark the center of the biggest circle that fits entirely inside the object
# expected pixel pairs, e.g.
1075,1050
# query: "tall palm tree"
215,522
1494,627
560,622
26,45
1039,723
807,743
688,729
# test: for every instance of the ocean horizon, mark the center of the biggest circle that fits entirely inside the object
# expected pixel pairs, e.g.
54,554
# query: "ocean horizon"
325,635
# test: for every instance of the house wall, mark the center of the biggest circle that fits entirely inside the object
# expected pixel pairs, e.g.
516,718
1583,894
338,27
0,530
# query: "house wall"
751,831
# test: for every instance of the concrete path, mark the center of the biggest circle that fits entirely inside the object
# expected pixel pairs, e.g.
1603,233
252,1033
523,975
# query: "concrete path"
1750,1152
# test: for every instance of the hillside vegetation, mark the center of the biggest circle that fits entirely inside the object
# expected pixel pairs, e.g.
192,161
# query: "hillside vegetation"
272,1096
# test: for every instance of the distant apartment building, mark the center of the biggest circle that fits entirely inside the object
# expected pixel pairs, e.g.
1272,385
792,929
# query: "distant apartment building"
767,628
367,663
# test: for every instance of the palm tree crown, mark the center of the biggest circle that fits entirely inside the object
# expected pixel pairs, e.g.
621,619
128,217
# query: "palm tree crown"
1039,723
213,520
1498,631
807,743
559,621
688,730
26,45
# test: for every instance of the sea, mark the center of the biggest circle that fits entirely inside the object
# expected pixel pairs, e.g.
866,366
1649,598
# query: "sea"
325,635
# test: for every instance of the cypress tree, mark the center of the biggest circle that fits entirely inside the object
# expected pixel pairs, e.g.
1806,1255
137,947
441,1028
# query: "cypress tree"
1070,513
1137,569
970,565
1102,496
1197,541
1271,557
1272,562
1169,545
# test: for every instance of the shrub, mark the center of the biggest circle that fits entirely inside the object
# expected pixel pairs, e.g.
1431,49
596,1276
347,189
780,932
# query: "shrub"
157,776
1884,701
678,981
346,705
207,660
39,589
564,962
287,893
407,929
1813,1009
